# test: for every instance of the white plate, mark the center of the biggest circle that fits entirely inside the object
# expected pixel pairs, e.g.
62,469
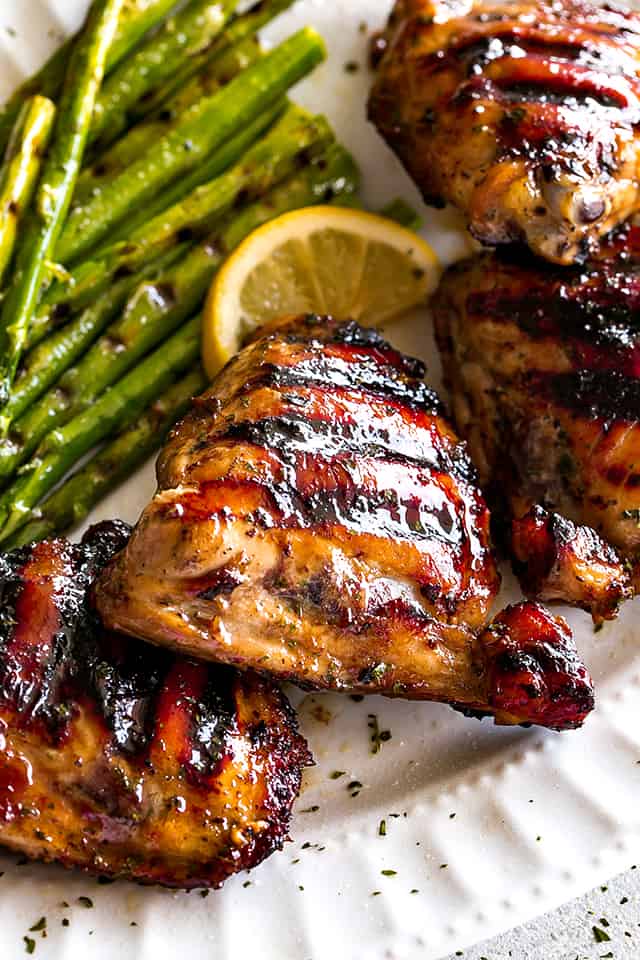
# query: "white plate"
539,818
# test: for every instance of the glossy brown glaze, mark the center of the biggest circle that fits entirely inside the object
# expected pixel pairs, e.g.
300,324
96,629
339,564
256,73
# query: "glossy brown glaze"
532,664
123,759
317,519
543,366
523,114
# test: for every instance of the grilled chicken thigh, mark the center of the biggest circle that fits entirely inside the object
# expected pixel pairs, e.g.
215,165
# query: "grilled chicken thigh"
318,519
523,114
123,759
543,363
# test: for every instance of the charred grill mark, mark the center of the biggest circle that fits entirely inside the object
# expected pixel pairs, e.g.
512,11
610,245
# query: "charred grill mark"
44,620
566,81
556,127
214,723
42,600
367,375
293,434
124,677
351,334
590,315
385,513
172,772
358,343
171,750
603,395
513,46
393,502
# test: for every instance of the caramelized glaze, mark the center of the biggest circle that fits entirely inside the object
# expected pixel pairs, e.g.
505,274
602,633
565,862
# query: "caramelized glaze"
543,364
121,758
319,520
522,114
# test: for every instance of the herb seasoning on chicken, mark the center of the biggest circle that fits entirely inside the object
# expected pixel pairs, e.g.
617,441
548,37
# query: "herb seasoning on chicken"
543,364
123,759
523,114
319,520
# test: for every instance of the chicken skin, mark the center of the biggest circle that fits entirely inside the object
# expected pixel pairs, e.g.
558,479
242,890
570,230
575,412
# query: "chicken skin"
122,759
523,114
318,519
543,364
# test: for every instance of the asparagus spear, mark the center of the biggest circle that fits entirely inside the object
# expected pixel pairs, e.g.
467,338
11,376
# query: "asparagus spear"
137,17
188,33
207,125
90,278
152,313
236,49
142,137
20,170
117,409
44,365
56,185
240,29
267,162
333,176
71,504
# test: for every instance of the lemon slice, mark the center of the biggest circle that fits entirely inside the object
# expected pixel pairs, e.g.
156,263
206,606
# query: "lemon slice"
326,260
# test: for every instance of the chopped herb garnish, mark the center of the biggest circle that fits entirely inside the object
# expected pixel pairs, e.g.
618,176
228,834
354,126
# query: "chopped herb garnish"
65,921
85,902
351,66
337,774
29,944
600,936
374,674
313,809
246,884
414,891
40,925
204,894
443,866
382,829
389,873
378,736
376,893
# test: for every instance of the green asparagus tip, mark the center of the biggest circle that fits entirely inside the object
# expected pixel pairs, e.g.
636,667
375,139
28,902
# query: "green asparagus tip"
314,39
